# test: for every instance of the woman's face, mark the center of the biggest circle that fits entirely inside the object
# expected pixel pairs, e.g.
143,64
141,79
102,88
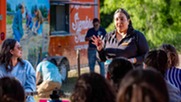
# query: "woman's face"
36,13
17,51
121,22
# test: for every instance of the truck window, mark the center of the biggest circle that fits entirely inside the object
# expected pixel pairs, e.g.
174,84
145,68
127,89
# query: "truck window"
59,19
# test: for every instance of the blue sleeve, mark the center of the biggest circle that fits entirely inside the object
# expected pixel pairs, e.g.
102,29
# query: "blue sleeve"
19,18
30,84
39,67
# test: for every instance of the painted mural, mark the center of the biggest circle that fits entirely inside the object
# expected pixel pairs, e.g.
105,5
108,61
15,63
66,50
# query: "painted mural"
29,26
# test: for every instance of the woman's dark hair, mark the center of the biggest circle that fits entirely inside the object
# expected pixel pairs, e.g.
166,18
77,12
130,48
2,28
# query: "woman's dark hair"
130,26
11,90
171,53
92,87
143,86
157,59
5,55
20,6
117,69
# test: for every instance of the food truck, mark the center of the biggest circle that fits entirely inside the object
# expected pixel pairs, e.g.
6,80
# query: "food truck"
62,30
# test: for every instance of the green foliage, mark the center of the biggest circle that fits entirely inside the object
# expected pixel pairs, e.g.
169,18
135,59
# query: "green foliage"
159,20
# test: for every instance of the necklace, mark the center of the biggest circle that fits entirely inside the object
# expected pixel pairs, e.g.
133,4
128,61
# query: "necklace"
120,36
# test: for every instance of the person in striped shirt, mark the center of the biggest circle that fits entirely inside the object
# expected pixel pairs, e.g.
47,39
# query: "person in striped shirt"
158,60
173,74
124,41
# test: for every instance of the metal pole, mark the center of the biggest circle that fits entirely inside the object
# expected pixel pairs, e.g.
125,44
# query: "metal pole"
78,62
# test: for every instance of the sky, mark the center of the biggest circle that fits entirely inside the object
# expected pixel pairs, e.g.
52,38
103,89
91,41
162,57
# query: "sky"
28,3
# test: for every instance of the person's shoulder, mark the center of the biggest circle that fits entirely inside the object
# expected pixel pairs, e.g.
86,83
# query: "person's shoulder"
171,87
26,63
138,32
101,28
2,67
90,29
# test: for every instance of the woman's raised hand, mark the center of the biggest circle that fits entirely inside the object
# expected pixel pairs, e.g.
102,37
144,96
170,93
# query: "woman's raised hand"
97,42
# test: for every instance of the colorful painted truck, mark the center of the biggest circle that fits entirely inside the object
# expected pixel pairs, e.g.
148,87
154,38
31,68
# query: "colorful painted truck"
62,32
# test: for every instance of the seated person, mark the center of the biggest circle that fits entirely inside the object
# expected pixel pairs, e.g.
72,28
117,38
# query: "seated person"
158,60
92,87
143,86
51,77
117,69
173,73
11,90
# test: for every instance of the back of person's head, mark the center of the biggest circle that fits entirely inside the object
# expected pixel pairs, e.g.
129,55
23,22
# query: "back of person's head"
117,69
157,59
143,86
92,87
11,90
172,54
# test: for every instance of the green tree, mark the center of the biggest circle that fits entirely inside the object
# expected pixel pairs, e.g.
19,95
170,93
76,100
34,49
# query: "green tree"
159,20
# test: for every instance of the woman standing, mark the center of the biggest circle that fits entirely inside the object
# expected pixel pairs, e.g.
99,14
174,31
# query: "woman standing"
12,65
124,41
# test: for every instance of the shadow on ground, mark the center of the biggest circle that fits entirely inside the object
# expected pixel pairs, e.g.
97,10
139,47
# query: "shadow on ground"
68,86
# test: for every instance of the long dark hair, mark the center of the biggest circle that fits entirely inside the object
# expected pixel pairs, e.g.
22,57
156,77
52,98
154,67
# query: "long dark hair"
11,90
172,54
117,69
130,26
92,87
5,55
157,59
143,86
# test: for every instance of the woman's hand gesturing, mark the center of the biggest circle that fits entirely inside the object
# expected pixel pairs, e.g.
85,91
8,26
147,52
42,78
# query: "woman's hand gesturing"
97,42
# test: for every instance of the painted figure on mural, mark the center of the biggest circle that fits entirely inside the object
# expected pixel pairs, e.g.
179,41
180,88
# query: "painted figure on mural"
37,22
96,30
17,23
29,22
